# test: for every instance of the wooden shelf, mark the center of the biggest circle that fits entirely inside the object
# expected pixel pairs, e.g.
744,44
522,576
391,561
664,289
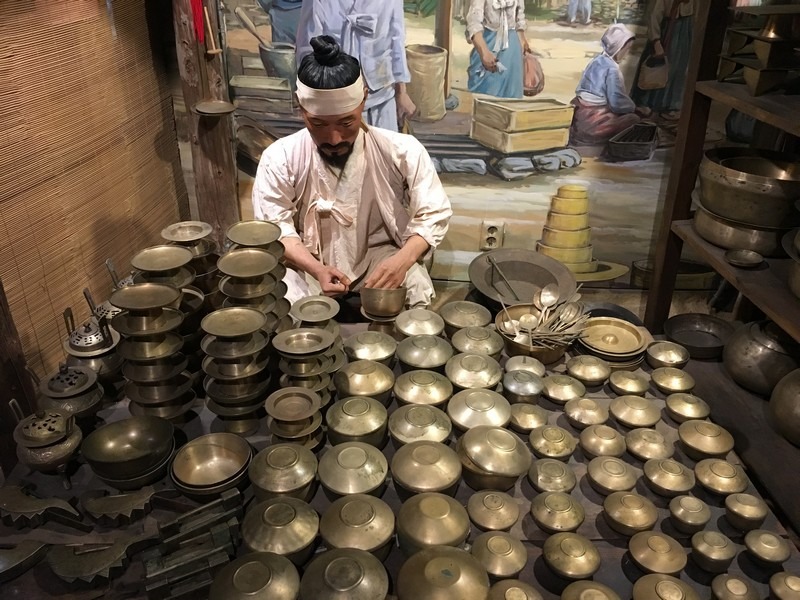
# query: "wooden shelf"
778,110
764,286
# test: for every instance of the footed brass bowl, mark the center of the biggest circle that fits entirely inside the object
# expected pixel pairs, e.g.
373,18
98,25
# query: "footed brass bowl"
551,475
628,382
283,469
358,521
468,371
608,474
462,314
684,407
628,513
501,554
713,551
365,378
525,363
571,556
656,552
601,440
554,512
478,340
424,352
474,407
767,548
344,573
514,589
702,439
784,586
589,370
371,345
586,590
732,587
422,387
353,468
527,417
426,467
668,477
635,411
496,451
720,477
522,387
583,412
663,587
646,444
689,514
563,388
666,354
256,576
419,321
429,574
285,526
745,511
491,510
431,519
671,380
357,419
412,423
552,441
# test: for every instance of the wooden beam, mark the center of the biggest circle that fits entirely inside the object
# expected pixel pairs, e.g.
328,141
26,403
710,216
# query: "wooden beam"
211,138
443,36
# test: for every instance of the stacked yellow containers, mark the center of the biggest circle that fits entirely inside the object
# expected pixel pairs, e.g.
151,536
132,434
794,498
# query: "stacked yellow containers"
566,235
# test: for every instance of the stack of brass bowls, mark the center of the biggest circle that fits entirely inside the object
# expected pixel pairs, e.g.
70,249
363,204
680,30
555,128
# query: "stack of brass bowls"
462,314
236,366
318,312
71,390
492,458
295,417
620,343
307,358
94,345
427,352
284,470
193,235
286,526
158,383
211,464
255,233
365,378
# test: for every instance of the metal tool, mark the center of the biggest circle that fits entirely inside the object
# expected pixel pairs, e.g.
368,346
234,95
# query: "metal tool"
89,562
19,509
496,267
16,560
121,509
180,532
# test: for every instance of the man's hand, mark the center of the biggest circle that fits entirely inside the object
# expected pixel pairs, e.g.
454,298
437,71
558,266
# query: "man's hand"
332,281
390,272
405,107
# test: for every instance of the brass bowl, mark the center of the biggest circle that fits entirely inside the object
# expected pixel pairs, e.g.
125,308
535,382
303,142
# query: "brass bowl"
253,233
656,552
552,441
635,411
767,548
601,440
478,340
571,556
731,587
359,521
522,387
527,417
357,419
430,573
525,363
365,378
628,513
491,510
419,321
462,314
426,467
422,387
646,444
666,354
128,448
745,512
428,352
608,474
563,388
353,468
513,589
583,412
720,477
660,586
431,519
470,371
689,514
496,451
412,423
211,460
588,590
667,477
703,439
555,512
684,407
314,311
165,257
284,526
501,554
256,576
292,404
371,345
713,551
301,342
591,371
478,479
383,302
283,470
344,573
474,407
150,476
784,586
670,380
551,475
628,383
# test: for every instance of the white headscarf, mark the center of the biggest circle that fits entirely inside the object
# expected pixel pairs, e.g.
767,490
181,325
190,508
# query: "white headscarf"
615,38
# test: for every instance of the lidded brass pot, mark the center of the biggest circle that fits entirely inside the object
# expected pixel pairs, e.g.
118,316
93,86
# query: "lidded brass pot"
656,552
256,576
555,512
601,440
745,511
284,470
462,314
416,423
784,586
431,519
551,441
513,589
476,407
344,574
628,383
670,380
635,411
492,458
442,573
608,474
563,388
429,352
72,390
92,344
471,371
713,551
478,340
426,467
525,363
647,444
357,419
588,590
423,387
628,513
371,345
522,387
684,407
527,417
668,477
551,475
689,514
359,521
658,586
571,556
365,378
353,468
285,526
491,510
703,439
583,412
419,321
500,553
666,354
767,548
46,440
731,587
591,371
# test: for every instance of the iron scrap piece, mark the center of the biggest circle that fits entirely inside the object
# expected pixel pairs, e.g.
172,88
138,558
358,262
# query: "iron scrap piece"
181,531
19,509
92,562
16,560
122,509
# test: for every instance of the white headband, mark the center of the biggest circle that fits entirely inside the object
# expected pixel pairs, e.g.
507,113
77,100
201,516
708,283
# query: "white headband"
325,103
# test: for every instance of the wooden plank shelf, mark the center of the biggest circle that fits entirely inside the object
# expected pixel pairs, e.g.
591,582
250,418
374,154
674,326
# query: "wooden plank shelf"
764,286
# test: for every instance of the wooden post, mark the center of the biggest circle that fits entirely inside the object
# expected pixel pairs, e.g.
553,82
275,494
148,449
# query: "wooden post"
443,37
211,137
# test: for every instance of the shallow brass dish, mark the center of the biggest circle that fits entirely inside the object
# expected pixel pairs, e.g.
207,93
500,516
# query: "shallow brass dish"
522,387
478,340
412,423
166,257
211,459
285,526
527,417
150,348
234,322
589,370
721,477
611,335
474,407
703,439
305,341
601,440
491,510
551,475
314,309
552,441
646,444
470,371
745,511
608,474
226,348
462,314
422,387
628,383
501,554
248,265
128,448
666,354
713,551
358,521
684,407
496,451
253,233
588,590
583,412
371,345
767,548
670,380
635,411
258,292
431,519
628,513
571,556
365,378
513,589
424,352
784,586
668,477
689,514
525,363
563,388
662,587
132,325
283,469
353,468
292,404
656,552
731,587
429,574
186,231
426,467
419,321
554,512
144,298
256,576
344,573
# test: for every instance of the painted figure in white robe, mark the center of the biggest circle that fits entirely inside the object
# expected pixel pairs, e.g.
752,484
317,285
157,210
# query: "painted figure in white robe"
358,206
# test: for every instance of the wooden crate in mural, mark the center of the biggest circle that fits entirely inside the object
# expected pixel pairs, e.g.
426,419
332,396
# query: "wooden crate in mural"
523,141
510,126
261,94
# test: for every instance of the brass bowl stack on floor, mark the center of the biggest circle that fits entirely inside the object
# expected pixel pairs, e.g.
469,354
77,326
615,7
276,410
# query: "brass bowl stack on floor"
295,417
618,342
566,235
211,464
193,235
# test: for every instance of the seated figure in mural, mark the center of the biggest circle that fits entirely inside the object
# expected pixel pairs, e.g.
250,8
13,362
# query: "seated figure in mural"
358,206
669,33
584,7
284,16
602,106
373,31
496,29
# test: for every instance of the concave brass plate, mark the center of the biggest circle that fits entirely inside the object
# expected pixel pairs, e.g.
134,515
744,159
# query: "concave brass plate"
612,335
303,341
132,325
233,322
157,347
180,278
159,393
168,411
223,347
144,296
277,428
229,370
154,372
306,368
247,262
292,404
248,289
253,233
314,309
235,392
166,257
186,231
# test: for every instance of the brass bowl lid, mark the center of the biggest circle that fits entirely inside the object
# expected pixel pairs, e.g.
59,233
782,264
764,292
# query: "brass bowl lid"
525,363
667,353
523,384
477,340
43,428
295,431
256,576
646,444
731,587
714,546
412,423
493,510
612,335
571,555
589,370
630,511
552,441
496,451
501,554
551,475
344,574
441,573
784,586
166,257
513,589
767,546
462,314
157,347
588,590
419,321
314,309
658,586
426,467
671,380
746,507
582,412
370,345
282,525
144,297
433,519
474,407
611,474
363,378
68,381
690,511
292,404
527,417
656,552
554,512
602,440
423,387
357,521
668,475
628,382
282,468
226,348
253,233
356,416
706,438
563,388
683,407
353,468
90,340
469,371
303,341
233,322
424,351
186,231
635,411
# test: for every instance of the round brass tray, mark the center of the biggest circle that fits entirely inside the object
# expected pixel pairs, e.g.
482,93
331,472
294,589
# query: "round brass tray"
239,289
157,347
247,263
132,325
314,309
225,393
179,278
253,233
167,257
298,342
233,322
612,336
144,297
147,372
277,428
230,370
225,348
292,404
186,231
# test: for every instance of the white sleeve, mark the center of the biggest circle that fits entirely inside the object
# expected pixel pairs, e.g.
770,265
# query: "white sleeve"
274,197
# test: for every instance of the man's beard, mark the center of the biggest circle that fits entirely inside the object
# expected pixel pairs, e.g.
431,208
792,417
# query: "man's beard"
336,155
